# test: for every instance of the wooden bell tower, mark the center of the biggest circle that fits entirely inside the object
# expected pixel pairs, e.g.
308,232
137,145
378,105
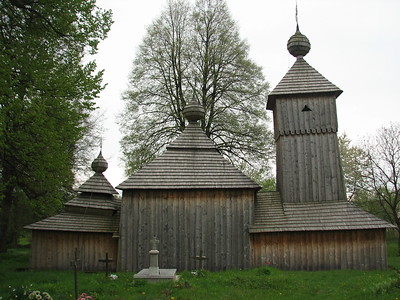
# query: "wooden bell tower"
305,128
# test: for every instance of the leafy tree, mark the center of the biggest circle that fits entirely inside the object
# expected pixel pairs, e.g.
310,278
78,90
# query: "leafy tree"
353,160
46,97
382,172
196,52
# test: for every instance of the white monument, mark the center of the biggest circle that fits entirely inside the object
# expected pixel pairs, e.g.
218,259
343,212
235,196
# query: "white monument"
154,273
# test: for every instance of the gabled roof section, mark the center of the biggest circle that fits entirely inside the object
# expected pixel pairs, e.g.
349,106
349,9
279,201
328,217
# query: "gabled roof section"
302,79
191,161
271,215
78,223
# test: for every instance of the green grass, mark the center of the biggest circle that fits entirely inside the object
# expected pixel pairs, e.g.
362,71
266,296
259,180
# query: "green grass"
259,283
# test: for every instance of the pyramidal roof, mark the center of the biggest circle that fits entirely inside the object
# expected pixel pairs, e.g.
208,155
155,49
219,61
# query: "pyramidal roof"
301,78
190,161
92,210
98,183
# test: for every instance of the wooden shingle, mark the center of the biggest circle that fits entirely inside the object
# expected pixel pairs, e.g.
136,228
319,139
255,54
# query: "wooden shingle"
271,215
190,161
94,209
98,183
78,223
302,79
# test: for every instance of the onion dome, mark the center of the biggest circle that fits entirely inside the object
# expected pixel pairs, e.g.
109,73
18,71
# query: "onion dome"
298,44
99,165
193,111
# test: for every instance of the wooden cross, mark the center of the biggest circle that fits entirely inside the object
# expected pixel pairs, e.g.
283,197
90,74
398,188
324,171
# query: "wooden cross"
200,258
106,261
75,264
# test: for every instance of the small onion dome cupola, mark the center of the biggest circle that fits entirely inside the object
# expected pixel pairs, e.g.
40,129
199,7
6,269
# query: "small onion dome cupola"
193,111
99,164
298,45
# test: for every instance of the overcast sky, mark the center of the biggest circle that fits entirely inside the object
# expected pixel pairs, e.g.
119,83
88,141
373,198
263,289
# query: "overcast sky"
354,44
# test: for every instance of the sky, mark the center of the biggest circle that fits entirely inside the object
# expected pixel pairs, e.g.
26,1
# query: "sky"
354,44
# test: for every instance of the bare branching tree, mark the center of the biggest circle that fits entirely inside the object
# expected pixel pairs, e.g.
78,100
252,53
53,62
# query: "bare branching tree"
196,52
382,172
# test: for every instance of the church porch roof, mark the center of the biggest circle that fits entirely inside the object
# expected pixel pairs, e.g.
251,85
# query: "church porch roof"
271,215
78,222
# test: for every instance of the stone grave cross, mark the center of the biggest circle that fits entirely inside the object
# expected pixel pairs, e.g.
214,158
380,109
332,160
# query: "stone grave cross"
154,269
154,273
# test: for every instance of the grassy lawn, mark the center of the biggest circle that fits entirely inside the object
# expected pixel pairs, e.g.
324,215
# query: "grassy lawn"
260,283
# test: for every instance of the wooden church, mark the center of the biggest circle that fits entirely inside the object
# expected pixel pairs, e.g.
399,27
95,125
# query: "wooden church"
199,206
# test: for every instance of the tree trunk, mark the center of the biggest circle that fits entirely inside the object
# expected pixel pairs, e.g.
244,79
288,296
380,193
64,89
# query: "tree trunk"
5,219
8,232
398,242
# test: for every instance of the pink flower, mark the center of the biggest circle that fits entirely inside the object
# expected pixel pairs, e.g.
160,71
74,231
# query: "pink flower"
267,263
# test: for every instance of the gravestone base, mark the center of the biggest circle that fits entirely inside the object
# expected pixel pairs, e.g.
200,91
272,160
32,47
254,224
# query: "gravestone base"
163,275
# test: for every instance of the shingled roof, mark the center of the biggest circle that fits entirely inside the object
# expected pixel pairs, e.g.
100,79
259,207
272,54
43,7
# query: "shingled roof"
78,222
271,215
190,161
98,183
302,79
94,209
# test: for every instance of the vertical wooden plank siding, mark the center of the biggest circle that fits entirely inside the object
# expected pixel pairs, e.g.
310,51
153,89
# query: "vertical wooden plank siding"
308,160
55,250
321,250
186,222
309,168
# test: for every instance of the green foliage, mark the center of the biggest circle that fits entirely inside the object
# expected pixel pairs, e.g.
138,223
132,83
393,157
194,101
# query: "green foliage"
258,283
46,97
196,52
372,172
353,161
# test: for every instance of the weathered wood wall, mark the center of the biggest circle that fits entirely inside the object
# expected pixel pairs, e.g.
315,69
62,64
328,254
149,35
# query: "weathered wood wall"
186,222
321,250
290,119
309,168
308,159
56,249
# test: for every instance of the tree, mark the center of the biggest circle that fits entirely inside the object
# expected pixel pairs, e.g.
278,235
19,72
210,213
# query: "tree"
46,96
353,160
196,52
382,172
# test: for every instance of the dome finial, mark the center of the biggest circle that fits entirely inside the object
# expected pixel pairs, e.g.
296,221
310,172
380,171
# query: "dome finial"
193,111
298,44
99,164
